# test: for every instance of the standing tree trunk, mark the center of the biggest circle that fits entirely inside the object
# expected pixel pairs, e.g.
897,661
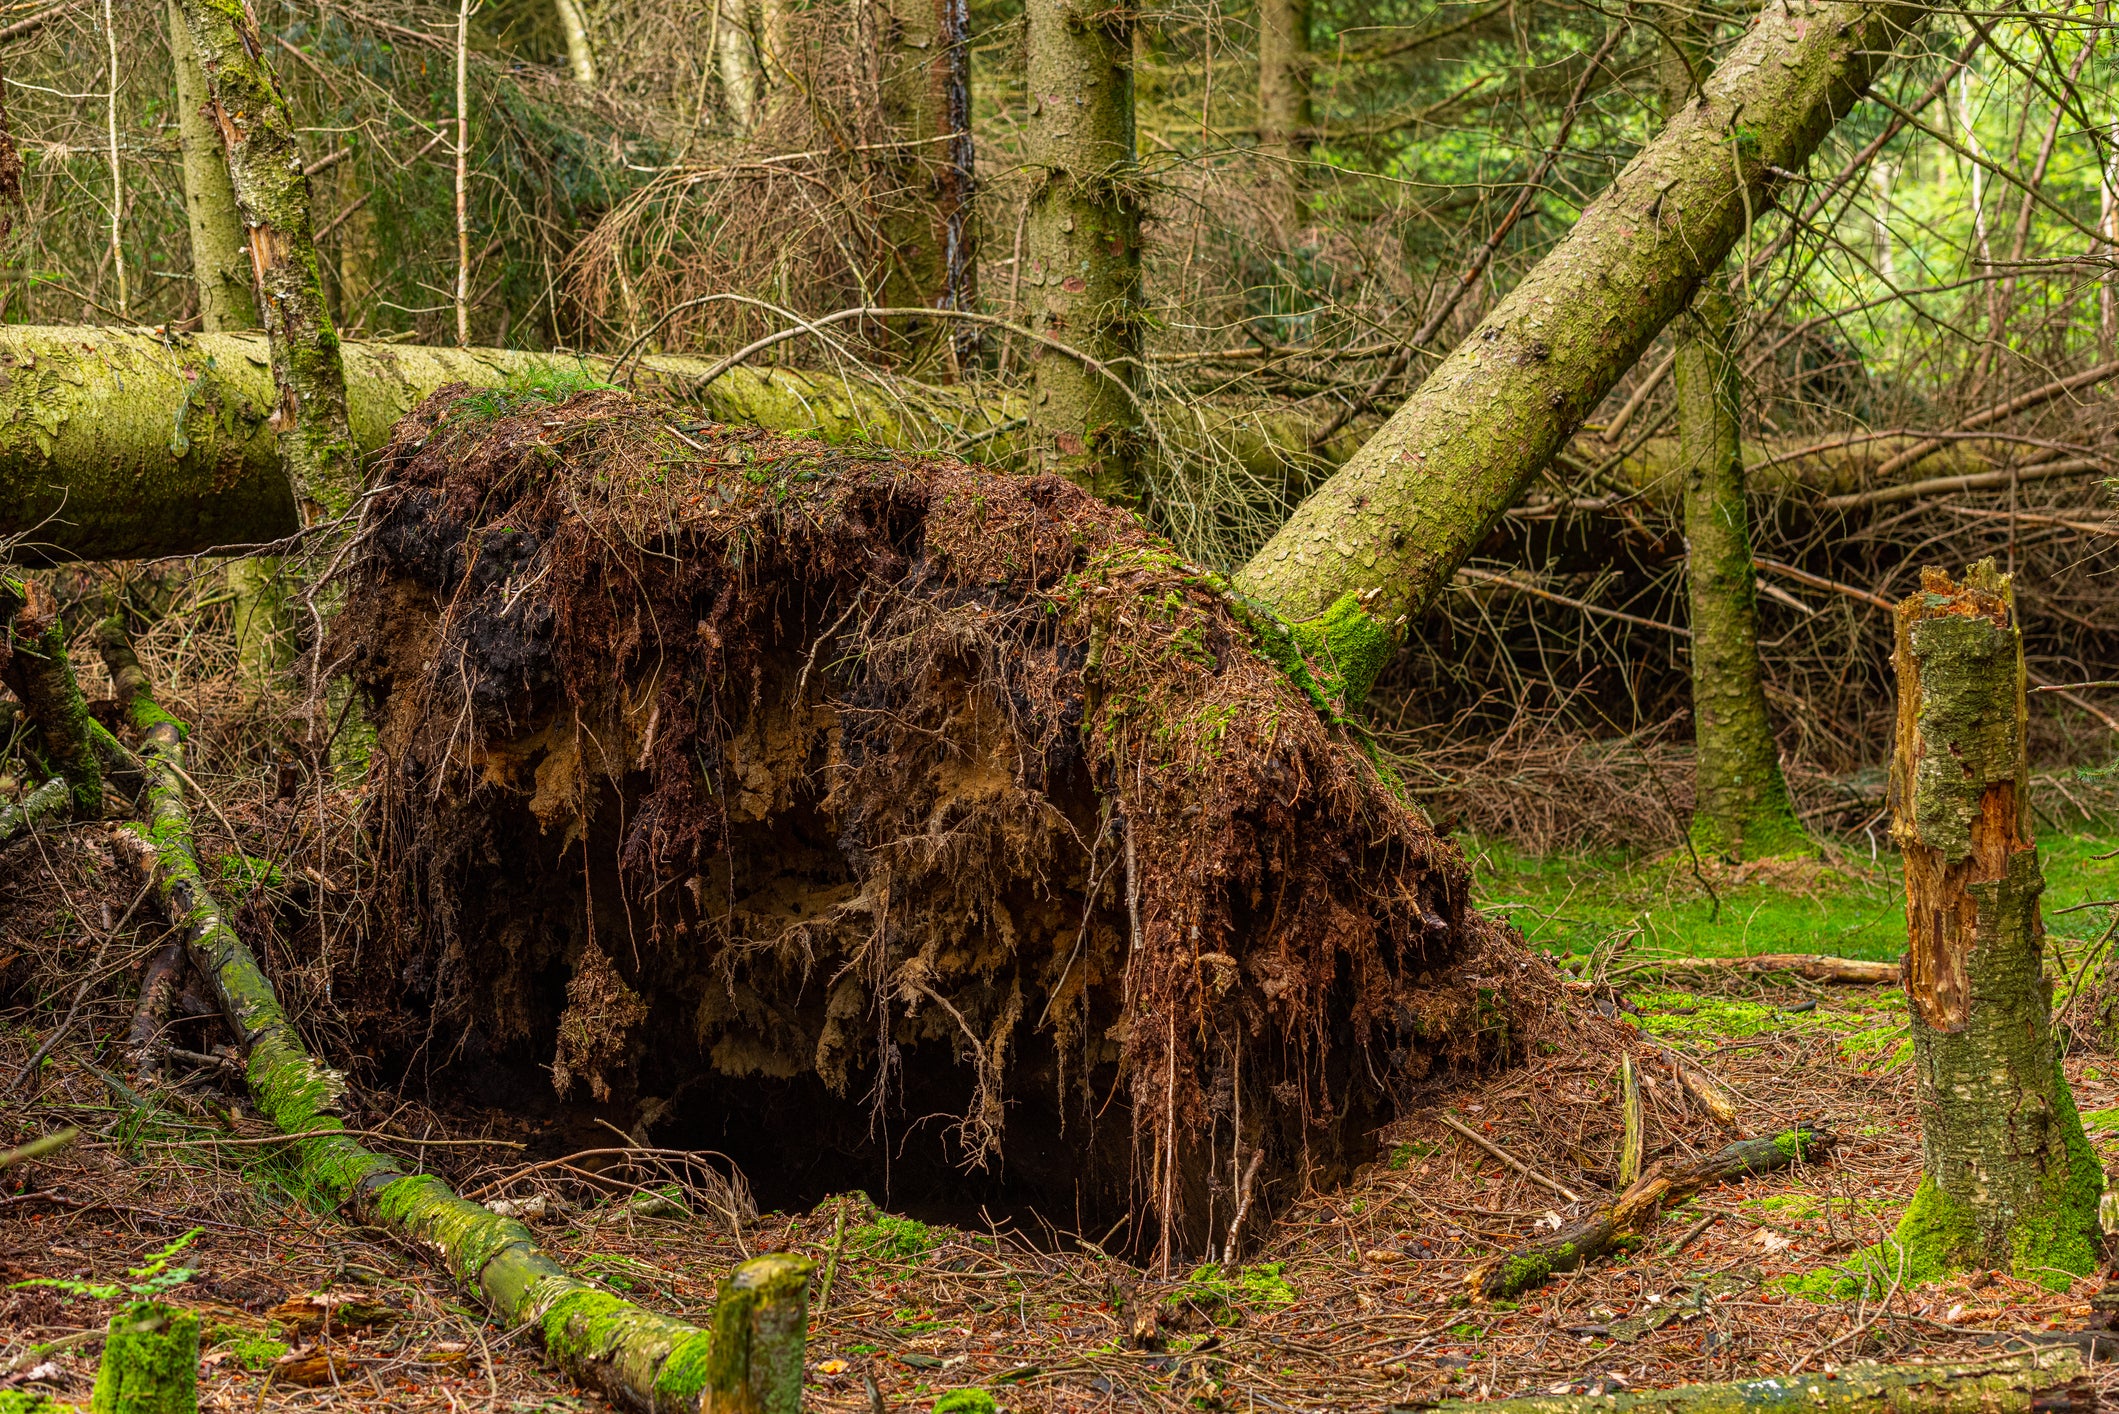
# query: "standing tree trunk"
271,191
2007,1176
1285,120
221,271
1741,808
220,265
1084,242
736,61
581,55
921,54
1378,541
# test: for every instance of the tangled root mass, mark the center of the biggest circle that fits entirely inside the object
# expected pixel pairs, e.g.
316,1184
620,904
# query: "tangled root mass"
785,797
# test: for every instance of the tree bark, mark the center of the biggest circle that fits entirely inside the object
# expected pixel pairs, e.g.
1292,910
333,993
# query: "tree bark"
581,55
1285,118
1083,244
271,191
220,262
1379,540
1743,807
2007,1175
2050,1379
923,61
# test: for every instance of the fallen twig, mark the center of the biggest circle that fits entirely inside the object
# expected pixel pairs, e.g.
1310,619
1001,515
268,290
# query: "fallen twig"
1510,1159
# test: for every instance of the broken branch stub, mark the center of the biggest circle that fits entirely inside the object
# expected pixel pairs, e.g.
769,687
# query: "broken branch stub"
2007,1174
875,786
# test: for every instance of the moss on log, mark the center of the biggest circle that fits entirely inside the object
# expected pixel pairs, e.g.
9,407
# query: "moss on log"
2051,1379
2007,1174
634,1357
1392,525
150,1361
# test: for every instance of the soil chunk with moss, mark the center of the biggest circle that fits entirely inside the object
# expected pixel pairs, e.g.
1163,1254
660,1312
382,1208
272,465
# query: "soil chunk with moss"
882,819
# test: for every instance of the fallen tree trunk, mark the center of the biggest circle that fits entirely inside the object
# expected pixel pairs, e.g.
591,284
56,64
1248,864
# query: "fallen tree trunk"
636,1358
34,666
2012,1384
1615,1224
1812,967
902,774
1381,539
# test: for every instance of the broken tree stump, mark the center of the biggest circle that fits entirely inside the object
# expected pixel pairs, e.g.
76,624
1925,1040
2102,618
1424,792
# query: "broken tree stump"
150,1362
2008,1177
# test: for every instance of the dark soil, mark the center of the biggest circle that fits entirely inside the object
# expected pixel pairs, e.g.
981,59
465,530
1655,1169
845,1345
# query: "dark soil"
883,821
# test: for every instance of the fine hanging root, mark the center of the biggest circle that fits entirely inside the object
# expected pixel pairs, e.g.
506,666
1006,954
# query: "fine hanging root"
2050,1379
1615,1225
636,1358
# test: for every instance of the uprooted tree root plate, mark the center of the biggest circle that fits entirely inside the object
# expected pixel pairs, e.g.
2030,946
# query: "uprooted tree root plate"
784,797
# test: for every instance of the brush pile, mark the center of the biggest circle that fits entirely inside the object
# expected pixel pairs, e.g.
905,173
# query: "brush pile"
783,797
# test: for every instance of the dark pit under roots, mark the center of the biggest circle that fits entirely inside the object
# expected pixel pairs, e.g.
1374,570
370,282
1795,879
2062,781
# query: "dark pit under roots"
882,821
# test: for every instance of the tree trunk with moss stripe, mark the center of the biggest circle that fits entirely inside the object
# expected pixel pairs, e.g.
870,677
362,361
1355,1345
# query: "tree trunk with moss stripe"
1741,805
35,667
1083,242
220,263
1379,540
272,192
750,1361
2008,1178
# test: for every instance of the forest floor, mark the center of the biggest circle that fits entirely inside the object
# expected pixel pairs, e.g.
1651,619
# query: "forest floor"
1351,1299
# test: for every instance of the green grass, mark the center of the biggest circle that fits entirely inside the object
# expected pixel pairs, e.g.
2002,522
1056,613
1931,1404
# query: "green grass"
1855,908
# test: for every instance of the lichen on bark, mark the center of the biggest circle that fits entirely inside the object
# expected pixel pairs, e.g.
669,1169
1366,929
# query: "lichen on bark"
2009,1178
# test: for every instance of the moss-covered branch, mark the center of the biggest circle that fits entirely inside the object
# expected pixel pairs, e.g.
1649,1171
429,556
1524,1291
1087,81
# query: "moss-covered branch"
750,1361
34,665
1615,1225
2013,1384
1391,526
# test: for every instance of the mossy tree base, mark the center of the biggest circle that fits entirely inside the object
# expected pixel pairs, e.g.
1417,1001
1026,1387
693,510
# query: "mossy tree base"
2009,1178
150,1362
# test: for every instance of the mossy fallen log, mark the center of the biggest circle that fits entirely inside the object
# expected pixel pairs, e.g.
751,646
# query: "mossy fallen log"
751,1361
150,1361
856,783
2012,1384
34,666
1618,1223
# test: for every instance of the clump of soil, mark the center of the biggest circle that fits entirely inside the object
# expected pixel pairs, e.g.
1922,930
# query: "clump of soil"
881,819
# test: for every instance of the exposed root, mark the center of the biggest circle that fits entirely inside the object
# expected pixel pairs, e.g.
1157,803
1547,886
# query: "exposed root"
885,784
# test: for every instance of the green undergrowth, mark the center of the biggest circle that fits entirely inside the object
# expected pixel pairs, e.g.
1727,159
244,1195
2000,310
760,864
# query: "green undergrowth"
1644,907
1222,1297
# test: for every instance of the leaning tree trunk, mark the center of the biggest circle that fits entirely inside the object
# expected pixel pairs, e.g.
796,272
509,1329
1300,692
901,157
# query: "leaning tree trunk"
220,260
1377,542
2007,1176
581,54
1285,118
272,192
1084,243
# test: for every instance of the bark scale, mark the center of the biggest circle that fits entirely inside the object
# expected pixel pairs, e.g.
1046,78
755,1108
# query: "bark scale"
1083,243
271,191
2007,1175
220,263
1285,117
1743,809
1379,540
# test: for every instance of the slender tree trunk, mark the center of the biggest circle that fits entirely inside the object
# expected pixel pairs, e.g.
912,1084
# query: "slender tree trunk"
1285,119
581,55
1084,242
922,60
1741,804
2007,1176
1379,540
736,60
220,259
265,168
